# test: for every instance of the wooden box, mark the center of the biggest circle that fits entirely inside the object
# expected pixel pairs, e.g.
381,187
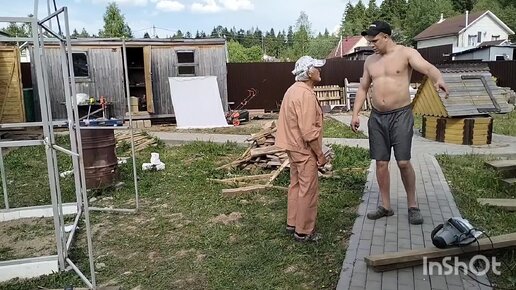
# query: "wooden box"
465,131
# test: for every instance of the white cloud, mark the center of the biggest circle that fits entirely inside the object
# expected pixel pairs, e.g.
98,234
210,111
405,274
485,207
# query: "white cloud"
207,6
236,5
124,2
170,6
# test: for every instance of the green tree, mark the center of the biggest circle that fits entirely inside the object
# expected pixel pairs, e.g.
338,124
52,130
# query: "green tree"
16,30
372,11
462,5
84,33
75,33
355,19
146,35
424,13
114,23
238,53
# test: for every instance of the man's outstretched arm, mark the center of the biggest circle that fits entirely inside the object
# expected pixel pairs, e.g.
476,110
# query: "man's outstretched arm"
365,83
418,63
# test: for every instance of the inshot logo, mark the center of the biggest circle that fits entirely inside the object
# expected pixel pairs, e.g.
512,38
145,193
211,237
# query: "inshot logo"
449,267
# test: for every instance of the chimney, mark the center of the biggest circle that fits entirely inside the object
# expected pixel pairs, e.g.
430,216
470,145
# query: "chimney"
467,18
442,18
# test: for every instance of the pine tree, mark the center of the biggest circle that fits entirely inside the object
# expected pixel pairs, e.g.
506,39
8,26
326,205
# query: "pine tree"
114,23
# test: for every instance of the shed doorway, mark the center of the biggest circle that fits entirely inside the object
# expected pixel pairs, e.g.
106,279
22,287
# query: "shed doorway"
140,79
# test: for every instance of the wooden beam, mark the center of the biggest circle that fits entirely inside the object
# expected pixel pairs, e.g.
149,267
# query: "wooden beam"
277,172
255,152
398,260
232,192
98,288
507,204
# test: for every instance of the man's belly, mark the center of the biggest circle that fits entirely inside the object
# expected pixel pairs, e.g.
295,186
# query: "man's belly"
384,104
389,95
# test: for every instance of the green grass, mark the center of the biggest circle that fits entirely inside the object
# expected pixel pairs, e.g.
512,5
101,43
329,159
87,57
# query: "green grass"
469,179
174,243
336,129
505,124
332,129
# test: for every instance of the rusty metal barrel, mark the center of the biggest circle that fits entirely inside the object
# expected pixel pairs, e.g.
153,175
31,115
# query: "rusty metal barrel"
99,156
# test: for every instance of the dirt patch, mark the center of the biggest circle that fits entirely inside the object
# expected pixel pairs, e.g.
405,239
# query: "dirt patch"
26,238
233,217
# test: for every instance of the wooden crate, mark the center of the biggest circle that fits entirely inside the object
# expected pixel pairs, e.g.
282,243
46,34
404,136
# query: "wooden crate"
465,131
11,95
329,95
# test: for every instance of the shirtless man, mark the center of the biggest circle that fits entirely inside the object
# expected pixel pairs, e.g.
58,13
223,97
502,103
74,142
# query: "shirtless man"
391,122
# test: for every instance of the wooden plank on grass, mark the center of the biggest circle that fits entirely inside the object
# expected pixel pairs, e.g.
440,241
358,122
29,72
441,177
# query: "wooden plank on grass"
398,260
232,192
98,288
505,203
502,164
510,181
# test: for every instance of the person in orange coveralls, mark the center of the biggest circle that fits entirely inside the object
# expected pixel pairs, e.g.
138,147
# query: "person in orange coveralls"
300,126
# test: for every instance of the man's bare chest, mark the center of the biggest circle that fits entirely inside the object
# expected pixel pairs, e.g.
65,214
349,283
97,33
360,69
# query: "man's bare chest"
388,67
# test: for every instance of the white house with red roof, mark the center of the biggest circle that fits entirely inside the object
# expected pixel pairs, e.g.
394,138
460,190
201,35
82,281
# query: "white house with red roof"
347,45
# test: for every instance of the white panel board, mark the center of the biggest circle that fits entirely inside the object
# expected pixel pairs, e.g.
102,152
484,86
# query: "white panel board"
197,102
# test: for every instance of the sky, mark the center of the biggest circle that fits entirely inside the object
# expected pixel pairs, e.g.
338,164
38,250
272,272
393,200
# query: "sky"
167,16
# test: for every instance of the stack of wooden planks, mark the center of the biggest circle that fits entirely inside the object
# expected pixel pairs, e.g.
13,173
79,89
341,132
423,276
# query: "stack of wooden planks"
141,140
262,153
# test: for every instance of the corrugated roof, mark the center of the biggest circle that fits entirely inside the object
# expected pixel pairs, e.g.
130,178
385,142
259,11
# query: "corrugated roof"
470,87
142,41
450,26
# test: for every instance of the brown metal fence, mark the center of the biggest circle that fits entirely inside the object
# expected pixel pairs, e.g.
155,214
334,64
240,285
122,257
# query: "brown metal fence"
271,80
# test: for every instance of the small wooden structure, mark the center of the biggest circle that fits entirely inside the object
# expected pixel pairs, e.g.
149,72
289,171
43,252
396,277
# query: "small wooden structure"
329,96
99,71
11,93
462,117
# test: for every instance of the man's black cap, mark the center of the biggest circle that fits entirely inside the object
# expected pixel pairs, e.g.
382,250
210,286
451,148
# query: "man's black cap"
377,27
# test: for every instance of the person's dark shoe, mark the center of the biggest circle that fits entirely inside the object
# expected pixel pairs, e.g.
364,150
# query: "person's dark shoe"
414,216
379,213
290,229
305,238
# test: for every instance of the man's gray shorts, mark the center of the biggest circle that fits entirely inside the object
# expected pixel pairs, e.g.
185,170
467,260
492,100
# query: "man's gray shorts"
392,129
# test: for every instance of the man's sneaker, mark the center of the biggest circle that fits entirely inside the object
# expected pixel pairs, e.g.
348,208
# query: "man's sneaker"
290,229
414,216
379,213
313,237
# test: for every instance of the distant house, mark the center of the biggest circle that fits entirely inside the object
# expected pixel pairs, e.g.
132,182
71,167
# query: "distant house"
347,45
487,51
464,32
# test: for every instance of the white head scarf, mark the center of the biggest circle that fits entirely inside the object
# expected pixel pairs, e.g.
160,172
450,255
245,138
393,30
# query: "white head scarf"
303,65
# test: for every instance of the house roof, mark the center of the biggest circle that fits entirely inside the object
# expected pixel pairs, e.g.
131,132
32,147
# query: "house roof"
471,88
450,26
481,47
347,44
141,41
492,43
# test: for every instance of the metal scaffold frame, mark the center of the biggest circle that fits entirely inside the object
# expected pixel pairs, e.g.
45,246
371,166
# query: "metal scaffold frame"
57,209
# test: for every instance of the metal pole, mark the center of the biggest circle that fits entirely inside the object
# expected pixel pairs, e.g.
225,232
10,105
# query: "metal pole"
128,95
4,181
71,130
44,111
81,275
81,161
54,175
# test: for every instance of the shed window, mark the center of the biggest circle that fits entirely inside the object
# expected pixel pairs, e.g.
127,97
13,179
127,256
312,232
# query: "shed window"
185,57
186,65
80,64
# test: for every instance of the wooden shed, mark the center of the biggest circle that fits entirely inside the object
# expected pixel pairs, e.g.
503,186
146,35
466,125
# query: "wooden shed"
11,93
99,71
462,117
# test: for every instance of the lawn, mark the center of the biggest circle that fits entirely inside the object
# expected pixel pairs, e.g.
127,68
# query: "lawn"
469,179
332,129
188,236
505,124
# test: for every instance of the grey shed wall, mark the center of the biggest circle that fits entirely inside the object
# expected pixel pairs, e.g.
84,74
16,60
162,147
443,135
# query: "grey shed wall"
211,61
107,77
